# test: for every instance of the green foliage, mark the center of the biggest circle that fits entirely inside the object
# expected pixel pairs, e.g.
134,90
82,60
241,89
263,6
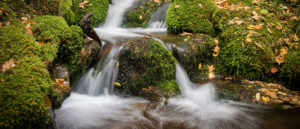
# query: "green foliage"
140,16
22,95
15,43
145,62
191,16
98,7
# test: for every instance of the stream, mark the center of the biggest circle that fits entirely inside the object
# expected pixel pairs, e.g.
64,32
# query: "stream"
93,104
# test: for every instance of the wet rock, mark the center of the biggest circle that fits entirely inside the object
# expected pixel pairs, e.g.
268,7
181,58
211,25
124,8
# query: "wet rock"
262,93
89,52
196,55
61,78
147,69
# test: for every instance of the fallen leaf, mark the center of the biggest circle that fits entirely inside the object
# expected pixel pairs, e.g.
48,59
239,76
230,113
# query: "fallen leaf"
141,17
60,82
269,31
211,69
257,97
255,2
279,27
248,40
117,84
200,5
283,51
28,29
216,51
8,65
41,43
274,70
118,65
199,66
1,80
177,6
260,46
24,18
295,37
258,27
266,99
278,59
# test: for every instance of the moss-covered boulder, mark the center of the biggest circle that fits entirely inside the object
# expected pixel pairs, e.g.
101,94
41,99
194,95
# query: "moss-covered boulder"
98,7
146,68
140,16
191,16
57,37
197,54
24,89
253,45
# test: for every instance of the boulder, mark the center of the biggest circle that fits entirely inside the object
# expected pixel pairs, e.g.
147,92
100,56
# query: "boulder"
147,69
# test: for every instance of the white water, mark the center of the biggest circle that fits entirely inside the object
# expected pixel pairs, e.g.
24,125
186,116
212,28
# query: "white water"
92,104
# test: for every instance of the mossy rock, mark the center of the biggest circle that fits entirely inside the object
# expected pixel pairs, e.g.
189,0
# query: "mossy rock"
147,69
198,50
24,90
16,44
60,39
98,7
191,16
140,16
250,41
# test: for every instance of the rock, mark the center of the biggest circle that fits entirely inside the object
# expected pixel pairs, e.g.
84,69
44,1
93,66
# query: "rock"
87,28
197,55
89,52
61,77
147,69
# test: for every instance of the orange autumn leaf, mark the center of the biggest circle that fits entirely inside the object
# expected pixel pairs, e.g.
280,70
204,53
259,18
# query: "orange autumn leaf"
274,70
248,40
216,51
60,82
279,27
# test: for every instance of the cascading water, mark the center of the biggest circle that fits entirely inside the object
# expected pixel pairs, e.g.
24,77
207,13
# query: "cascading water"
92,104
158,18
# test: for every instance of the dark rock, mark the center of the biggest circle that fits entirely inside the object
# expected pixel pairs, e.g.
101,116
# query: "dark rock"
89,52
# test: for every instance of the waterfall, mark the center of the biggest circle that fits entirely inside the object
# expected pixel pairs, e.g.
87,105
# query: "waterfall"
92,103
158,18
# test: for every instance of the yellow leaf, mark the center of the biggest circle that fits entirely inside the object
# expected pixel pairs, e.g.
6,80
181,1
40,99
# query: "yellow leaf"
117,84
283,51
251,27
216,51
295,37
257,96
141,17
118,65
177,6
279,59
266,99
248,40
186,39
211,74
260,46
199,66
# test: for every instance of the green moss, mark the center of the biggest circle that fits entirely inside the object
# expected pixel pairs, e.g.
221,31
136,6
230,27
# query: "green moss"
191,16
15,43
198,50
98,7
69,50
140,16
145,63
22,95
290,69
